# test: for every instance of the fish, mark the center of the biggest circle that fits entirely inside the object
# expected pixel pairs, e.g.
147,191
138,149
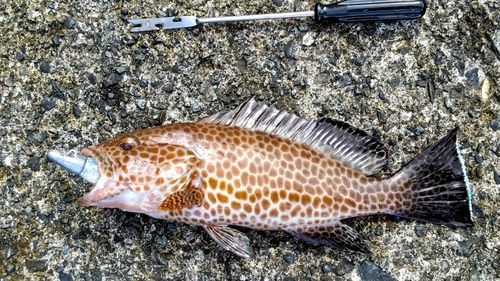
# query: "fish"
260,167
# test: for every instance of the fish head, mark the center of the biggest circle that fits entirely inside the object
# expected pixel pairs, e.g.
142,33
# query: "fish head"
136,174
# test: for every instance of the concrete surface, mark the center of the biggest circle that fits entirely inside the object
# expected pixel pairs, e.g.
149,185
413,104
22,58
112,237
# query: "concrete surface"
71,74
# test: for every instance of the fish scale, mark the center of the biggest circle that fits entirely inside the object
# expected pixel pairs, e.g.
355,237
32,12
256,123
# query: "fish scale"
269,186
263,168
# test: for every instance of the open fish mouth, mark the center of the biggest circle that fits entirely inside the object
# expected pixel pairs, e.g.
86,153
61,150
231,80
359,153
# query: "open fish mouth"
86,167
74,162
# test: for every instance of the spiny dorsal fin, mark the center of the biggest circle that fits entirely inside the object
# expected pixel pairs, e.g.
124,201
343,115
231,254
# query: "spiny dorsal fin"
349,145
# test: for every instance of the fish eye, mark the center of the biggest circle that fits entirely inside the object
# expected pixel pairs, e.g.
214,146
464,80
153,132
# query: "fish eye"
129,143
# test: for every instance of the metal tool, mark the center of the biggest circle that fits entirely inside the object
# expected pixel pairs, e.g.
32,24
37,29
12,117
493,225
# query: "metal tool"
344,11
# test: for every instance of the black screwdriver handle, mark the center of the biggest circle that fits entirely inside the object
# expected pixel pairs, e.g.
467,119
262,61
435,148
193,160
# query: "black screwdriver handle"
370,10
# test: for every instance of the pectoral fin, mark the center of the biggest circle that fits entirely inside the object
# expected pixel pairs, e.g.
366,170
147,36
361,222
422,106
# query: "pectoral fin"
188,196
339,236
231,240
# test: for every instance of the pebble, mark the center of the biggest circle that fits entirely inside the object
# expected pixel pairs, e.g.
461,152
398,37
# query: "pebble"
34,163
322,78
92,79
45,67
309,272
478,211
40,137
10,268
420,231
368,271
101,106
495,124
143,83
445,266
9,81
478,159
159,259
359,61
63,276
288,50
474,112
303,26
344,267
358,90
77,112
466,247
162,241
36,265
473,77
345,80
263,252
382,117
123,113
141,103
422,83
195,107
438,59
56,40
112,79
65,249
70,23
123,69
418,130
326,268
447,103
370,32
23,70
9,252
309,38
496,177
289,258
278,3
325,109
169,88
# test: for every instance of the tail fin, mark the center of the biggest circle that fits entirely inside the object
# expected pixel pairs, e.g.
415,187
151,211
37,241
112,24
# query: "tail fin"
439,185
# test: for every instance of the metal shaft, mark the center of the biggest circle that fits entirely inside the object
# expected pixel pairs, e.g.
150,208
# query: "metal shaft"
257,17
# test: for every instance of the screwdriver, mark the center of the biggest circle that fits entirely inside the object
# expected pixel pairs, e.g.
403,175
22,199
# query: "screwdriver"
343,11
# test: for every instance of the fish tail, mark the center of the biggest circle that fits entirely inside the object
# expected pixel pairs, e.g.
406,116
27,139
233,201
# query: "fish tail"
437,184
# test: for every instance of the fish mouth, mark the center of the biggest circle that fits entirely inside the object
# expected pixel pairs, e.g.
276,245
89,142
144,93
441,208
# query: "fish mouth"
83,164
86,164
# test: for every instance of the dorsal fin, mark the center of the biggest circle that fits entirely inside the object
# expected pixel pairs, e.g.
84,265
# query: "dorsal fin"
349,145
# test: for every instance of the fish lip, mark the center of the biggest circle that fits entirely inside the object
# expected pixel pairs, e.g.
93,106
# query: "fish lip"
93,197
89,151
98,191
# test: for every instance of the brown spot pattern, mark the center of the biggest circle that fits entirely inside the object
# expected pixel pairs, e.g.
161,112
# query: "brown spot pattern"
249,178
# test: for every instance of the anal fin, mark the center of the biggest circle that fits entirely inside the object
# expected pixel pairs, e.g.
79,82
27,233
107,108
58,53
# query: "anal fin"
339,236
231,240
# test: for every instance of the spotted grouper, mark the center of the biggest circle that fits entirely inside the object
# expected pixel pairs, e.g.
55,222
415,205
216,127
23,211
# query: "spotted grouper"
263,168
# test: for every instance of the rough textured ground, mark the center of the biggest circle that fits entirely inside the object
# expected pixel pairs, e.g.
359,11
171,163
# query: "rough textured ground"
72,74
